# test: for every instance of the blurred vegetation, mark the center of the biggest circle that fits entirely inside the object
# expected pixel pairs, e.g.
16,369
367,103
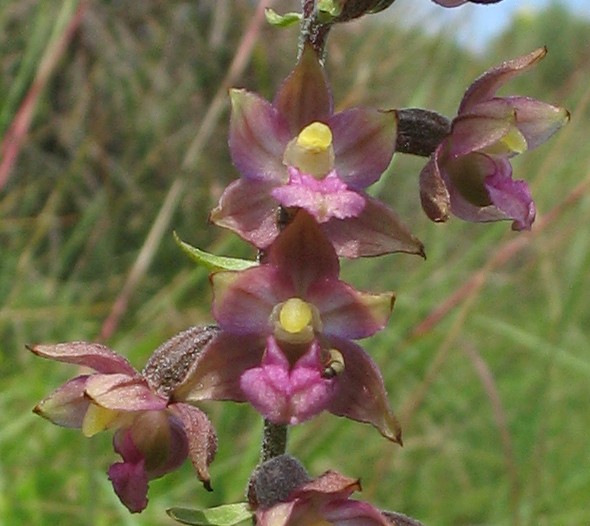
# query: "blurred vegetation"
492,395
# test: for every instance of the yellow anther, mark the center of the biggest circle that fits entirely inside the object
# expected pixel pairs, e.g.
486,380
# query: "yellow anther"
311,151
315,138
514,141
295,316
97,419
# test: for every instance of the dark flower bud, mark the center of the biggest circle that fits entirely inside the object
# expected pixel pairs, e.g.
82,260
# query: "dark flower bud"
274,480
345,10
420,131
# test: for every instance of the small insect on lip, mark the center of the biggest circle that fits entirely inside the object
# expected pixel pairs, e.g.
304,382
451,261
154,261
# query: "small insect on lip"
335,364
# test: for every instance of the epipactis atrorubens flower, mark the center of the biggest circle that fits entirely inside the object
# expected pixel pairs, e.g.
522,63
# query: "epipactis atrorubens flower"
470,174
322,501
297,153
285,344
153,433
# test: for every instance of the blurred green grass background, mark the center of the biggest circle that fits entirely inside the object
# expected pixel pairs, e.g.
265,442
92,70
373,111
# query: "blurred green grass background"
128,143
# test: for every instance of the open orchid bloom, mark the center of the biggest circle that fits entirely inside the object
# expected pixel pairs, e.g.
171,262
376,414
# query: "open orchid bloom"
285,344
297,153
152,433
470,174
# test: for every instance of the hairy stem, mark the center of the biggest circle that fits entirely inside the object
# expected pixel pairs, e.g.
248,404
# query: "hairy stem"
313,31
274,441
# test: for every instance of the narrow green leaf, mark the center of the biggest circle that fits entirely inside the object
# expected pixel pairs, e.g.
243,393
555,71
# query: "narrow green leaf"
211,261
226,515
286,20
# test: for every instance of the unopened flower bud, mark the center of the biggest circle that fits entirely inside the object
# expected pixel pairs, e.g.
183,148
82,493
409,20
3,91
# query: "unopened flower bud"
351,9
274,480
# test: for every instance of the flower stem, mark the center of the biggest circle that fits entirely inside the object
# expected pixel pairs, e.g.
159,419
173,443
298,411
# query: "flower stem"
313,31
274,441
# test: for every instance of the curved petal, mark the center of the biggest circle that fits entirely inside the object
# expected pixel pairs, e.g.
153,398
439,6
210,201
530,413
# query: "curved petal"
361,393
216,374
376,231
471,133
243,300
486,86
94,355
364,143
330,485
304,96
536,120
248,209
120,392
434,195
67,405
257,138
513,198
202,440
347,312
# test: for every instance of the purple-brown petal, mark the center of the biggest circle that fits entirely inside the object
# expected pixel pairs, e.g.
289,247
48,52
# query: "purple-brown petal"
434,195
361,393
304,96
258,136
376,231
364,143
94,355
202,440
248,209
329,485
471,133
303,254
347,312
120,392
243,300
486,86
216,373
